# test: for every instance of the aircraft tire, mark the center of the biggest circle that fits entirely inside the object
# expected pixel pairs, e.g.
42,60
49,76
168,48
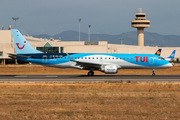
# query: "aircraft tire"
91,73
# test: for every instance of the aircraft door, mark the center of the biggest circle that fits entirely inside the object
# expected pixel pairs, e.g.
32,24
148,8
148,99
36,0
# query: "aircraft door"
44,59
151,60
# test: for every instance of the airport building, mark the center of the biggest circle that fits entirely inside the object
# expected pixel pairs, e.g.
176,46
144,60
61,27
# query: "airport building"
60,46
57,46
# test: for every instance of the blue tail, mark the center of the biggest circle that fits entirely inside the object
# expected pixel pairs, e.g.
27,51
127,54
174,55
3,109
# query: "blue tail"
21,44
172,54
158,52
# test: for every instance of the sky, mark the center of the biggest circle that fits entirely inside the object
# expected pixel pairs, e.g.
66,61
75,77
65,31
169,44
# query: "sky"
105,16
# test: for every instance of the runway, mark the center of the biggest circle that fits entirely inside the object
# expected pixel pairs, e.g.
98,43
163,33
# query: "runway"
85,78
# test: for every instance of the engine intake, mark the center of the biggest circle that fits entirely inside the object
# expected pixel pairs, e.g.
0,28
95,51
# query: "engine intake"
110,69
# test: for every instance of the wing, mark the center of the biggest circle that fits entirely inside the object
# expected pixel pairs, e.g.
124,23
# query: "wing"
88,64
94,65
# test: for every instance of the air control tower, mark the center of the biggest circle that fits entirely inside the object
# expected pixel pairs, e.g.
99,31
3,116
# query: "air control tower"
140,23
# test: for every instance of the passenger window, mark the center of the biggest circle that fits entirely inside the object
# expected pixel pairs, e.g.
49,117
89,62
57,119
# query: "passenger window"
89,58
124,58
97,58
109,58
64,57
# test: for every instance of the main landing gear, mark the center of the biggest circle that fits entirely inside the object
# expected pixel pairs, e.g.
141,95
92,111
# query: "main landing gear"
90,73
153,72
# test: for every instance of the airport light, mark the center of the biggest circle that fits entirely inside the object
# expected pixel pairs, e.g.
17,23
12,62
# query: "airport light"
89,32
79,28
15,19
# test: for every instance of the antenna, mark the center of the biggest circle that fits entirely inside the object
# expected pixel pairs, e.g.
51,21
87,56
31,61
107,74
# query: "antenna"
140,10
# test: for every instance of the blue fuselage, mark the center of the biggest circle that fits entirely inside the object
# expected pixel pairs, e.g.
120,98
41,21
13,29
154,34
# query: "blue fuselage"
82,60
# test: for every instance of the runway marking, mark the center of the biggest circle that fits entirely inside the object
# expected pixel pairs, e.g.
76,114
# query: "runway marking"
51,76
36,76
21,76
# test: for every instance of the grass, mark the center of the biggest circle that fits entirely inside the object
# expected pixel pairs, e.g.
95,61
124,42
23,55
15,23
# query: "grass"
57,100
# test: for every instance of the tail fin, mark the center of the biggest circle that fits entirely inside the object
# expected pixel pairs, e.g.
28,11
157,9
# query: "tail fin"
172,54
158,52
21,44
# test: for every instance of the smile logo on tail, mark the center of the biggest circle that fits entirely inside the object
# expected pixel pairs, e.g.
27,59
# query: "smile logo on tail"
22,46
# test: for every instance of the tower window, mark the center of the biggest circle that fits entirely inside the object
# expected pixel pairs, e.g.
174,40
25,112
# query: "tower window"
140,15
133,23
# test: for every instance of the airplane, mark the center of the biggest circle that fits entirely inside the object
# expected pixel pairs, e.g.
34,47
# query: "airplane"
171,57
104,62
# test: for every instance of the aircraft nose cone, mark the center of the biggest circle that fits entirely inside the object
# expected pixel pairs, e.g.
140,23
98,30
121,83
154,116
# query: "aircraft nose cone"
169,65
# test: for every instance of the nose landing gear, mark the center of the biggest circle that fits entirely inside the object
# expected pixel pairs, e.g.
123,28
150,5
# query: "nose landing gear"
153,72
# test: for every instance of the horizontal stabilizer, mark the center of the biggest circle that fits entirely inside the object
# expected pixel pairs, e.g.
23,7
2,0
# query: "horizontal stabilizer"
15,55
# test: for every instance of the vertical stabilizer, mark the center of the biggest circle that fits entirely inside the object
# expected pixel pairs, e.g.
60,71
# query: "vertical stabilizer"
172,55
21,44
158,52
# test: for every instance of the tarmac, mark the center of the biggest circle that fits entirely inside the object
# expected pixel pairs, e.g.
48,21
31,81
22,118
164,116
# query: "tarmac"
85,78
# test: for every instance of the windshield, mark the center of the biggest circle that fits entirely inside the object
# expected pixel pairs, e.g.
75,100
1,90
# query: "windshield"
160,58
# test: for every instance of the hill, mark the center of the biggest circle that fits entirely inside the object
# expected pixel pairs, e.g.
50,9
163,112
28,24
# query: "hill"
129,38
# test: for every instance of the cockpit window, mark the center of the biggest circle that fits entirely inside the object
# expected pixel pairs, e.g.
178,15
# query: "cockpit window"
160,58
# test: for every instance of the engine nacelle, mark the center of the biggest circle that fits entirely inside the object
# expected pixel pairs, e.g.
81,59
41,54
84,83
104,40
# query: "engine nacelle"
110,69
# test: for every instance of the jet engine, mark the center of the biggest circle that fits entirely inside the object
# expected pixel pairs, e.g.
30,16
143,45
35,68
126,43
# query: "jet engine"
108,69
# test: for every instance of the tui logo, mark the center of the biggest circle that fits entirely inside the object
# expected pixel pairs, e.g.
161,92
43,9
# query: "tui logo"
19,46
142,59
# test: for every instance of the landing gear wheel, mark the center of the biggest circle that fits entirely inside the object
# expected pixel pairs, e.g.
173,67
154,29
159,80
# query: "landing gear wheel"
153,72
90,73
